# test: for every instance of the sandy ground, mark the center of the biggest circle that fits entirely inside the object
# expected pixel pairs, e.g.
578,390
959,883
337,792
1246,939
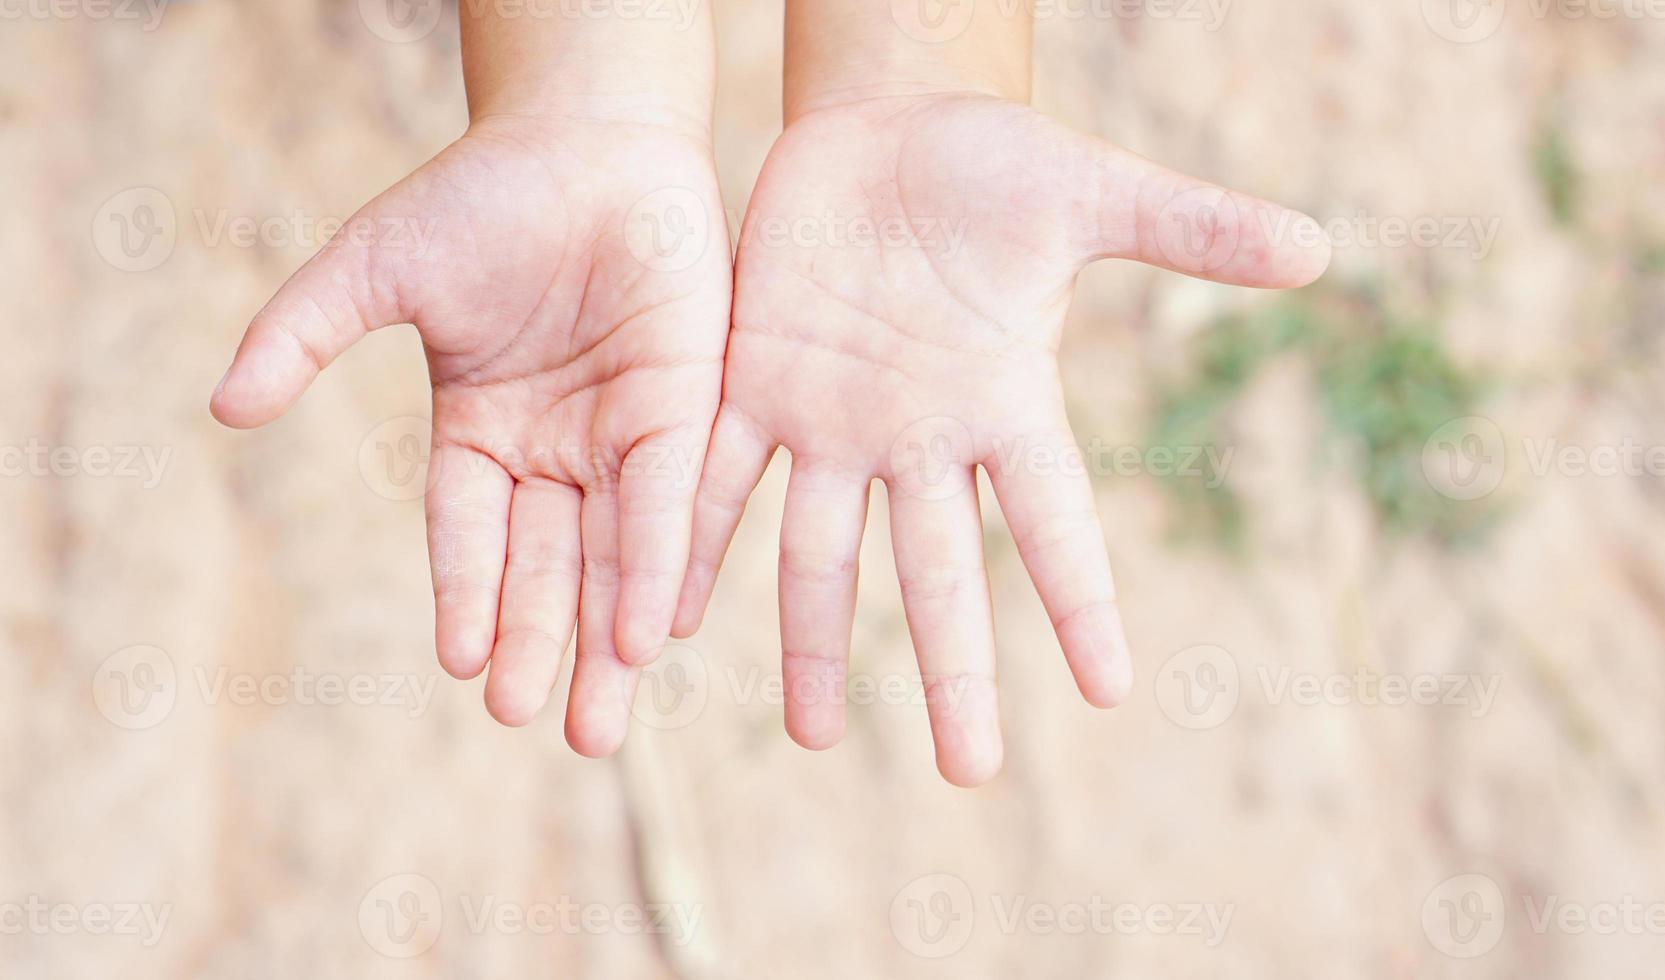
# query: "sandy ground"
1296,825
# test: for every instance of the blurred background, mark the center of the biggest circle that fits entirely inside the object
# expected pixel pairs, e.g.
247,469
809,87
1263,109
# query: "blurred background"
1382,546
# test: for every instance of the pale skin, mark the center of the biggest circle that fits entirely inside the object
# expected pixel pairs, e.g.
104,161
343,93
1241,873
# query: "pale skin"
912,361
575,375
904,271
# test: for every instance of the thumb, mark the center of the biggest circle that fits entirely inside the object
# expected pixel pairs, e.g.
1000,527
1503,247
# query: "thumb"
1151,214
342,293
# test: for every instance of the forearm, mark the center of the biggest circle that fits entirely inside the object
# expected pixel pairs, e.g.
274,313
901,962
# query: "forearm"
594,59
839,51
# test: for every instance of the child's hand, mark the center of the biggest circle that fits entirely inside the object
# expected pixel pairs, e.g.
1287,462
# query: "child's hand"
573,302
902,281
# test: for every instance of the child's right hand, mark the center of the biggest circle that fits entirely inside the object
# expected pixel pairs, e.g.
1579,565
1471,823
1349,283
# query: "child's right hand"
573,301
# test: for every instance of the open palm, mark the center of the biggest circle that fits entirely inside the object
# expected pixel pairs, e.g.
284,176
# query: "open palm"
571,287
901,285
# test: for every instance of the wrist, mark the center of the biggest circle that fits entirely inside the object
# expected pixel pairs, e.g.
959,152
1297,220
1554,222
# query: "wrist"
556,61
844,51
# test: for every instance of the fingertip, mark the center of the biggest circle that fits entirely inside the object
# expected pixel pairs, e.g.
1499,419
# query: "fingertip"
512,709
1113,688
1309,255
691,605
818,734
459,669
1095,644
461,657
232,407
263,381
969,770
592,741
637,642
